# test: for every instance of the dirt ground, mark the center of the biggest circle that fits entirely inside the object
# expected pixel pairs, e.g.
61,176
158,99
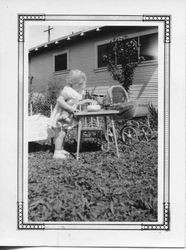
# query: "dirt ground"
98,187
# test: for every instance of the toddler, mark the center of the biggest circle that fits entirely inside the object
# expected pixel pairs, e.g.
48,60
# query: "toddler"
62,116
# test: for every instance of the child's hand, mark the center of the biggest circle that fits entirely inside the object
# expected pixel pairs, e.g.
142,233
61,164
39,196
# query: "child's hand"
73,110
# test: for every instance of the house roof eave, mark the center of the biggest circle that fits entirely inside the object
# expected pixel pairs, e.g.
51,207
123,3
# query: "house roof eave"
67,37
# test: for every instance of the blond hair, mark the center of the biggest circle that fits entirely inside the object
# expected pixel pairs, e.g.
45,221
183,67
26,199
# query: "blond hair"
76,76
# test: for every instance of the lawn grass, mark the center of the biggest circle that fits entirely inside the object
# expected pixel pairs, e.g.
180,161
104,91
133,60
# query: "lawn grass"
98,187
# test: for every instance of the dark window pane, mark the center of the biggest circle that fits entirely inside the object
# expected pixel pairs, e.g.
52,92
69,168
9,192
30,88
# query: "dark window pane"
102,50
61,62
149,47
119,58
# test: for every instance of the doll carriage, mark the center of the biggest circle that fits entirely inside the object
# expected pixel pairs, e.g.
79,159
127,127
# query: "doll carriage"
129,129
117,98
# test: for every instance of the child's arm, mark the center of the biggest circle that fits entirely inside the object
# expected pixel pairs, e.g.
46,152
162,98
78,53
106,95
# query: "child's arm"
64,105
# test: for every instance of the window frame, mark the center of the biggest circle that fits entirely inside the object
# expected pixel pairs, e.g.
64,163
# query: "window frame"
127,36
57,54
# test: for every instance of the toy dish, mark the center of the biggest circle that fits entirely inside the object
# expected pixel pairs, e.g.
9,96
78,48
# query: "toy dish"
93,107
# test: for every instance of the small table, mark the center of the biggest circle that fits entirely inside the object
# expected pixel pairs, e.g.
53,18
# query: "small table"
103,113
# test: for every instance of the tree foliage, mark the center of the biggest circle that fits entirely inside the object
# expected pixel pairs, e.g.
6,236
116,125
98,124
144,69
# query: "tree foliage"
121,58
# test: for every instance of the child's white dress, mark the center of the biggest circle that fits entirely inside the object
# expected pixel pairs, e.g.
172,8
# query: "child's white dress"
61,118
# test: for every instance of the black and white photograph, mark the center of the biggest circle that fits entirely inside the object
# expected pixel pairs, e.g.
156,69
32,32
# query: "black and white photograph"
92,103
93,124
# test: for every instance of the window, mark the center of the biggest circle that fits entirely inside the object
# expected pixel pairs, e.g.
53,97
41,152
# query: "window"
101,51
147,48
61,62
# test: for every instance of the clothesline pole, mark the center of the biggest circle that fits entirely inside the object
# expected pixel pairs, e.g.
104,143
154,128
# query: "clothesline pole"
31,112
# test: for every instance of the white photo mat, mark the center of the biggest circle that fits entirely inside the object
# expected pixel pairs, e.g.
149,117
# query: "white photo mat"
169,229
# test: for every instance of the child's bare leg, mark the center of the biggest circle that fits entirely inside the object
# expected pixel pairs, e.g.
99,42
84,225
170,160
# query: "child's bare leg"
59,152
59,140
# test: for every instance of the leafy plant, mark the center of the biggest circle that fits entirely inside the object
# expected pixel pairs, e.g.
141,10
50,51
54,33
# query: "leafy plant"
153,116
52,91
43,102
38,103
122,58
99,187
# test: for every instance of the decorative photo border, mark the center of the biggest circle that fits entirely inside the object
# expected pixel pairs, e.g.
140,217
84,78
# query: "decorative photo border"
21,224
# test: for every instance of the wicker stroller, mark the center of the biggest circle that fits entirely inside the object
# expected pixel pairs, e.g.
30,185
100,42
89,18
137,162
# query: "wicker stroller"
129,129
117,98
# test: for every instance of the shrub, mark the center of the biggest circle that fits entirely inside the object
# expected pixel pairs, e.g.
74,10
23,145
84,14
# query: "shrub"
53,90
43,102
153,116
38,103
122,58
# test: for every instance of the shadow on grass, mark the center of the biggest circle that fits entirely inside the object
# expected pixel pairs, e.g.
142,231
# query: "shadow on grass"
87,146
37,147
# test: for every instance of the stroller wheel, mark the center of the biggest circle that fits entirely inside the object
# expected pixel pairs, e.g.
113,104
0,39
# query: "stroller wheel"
145,133
133,123
129,135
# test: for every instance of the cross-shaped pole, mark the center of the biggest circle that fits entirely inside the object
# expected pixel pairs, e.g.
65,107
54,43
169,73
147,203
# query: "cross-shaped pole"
48,30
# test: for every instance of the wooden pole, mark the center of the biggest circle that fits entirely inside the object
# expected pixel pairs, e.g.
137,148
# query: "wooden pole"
48,30
31,110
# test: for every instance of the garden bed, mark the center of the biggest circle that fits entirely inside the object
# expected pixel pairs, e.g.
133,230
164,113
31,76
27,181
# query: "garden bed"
98,187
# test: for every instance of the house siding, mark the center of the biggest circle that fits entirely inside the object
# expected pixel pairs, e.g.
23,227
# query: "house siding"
144,89
83,56
80,57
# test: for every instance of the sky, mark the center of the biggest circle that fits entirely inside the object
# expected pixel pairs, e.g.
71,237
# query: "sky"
37,35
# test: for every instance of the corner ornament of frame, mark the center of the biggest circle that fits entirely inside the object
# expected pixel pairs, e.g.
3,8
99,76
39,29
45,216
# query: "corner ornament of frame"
23,226
165,19
166,221
22,18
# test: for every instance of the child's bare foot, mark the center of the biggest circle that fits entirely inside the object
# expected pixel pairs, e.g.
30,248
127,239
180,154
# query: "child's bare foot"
59,155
